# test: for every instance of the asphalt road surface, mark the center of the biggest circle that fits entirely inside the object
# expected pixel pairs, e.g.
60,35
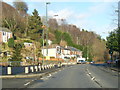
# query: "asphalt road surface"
77,76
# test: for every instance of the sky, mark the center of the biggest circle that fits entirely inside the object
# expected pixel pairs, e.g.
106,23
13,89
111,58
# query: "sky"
92,15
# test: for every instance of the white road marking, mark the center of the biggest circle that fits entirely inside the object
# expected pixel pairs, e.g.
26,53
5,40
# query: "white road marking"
27,83
41,78
113,71
89,73
44,78
92,78
49,75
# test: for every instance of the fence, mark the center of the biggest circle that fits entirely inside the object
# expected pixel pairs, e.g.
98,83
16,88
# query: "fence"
13,70
40,62
16,67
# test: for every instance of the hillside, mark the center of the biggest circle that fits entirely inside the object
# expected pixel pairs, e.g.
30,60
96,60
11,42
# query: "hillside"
11,19
89,42
64,34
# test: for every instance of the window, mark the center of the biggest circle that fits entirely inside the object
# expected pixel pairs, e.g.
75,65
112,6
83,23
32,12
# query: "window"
4,33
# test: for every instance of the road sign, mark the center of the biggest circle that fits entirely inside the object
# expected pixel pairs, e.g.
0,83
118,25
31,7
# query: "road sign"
110,51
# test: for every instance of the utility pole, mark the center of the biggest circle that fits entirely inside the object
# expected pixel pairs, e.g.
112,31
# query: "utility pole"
119,27
119,14
118,11
43,48
47,28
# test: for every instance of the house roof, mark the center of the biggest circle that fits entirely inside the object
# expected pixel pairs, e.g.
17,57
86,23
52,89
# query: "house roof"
4,29
73,49
51,46
64,48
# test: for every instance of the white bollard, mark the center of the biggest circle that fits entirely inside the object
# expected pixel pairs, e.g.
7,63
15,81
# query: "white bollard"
47,67
42,67
9,70
36,68
50,65
26,69
32,68
39,68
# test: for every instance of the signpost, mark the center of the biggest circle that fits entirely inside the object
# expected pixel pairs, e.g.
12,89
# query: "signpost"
111,54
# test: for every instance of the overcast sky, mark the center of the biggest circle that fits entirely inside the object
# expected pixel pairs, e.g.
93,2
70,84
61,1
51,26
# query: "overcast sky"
92,15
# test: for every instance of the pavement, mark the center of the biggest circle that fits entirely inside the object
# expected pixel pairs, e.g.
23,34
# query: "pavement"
21,81
34,74
108,67
105,76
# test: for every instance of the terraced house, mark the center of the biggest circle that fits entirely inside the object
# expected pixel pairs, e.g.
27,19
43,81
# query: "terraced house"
57,51
5,34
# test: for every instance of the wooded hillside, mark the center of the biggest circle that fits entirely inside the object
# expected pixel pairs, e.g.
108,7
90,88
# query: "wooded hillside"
89,42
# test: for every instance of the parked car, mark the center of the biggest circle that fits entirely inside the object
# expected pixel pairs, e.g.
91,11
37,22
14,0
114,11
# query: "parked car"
117,61
92,62
81,62
110,62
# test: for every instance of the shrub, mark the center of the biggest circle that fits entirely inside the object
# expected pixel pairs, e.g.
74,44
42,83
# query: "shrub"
11,43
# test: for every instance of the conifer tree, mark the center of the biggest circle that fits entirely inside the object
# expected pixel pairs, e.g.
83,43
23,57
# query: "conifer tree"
35,26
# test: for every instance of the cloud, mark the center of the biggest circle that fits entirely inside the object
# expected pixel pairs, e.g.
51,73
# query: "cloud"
82,15
81,19
99,8
62,14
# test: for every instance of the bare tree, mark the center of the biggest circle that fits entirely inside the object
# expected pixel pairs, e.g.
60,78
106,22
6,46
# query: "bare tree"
53,24
21,7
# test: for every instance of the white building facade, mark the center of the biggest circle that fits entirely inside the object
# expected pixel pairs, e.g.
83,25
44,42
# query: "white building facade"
5,35
60,52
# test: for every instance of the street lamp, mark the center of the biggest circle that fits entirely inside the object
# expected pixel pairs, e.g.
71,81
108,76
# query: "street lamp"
55,15
118,11
47,28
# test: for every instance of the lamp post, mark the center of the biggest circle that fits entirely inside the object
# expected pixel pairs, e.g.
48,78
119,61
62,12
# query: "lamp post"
47,27
119,28
118,11
43,44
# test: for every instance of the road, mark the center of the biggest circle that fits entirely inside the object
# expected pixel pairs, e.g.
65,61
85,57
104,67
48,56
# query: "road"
77,76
